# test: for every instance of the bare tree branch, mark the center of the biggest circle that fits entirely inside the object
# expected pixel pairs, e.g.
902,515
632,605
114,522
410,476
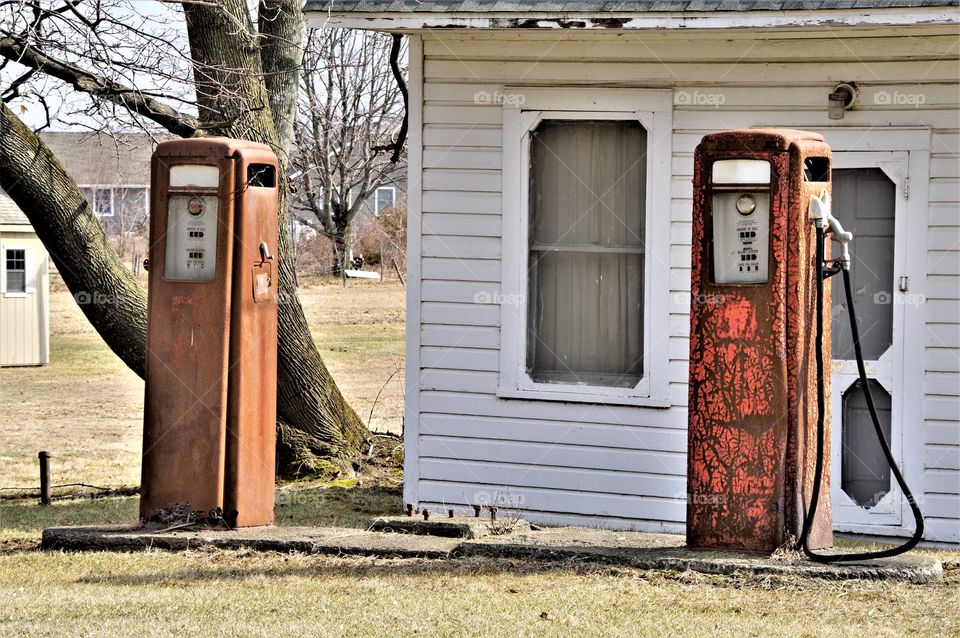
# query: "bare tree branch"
100,87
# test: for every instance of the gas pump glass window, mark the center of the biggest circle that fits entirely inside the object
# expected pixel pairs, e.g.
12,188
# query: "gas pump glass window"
586,252
740,202
192,223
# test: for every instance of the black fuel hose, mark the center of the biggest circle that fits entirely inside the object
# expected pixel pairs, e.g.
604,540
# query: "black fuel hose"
821,410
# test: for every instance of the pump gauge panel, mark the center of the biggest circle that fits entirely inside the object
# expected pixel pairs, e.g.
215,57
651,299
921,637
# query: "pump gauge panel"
741,237
191,238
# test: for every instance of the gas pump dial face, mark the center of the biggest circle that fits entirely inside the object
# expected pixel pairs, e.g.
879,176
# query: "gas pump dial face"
195,206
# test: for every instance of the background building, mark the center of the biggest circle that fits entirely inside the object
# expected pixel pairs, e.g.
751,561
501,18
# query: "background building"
24,290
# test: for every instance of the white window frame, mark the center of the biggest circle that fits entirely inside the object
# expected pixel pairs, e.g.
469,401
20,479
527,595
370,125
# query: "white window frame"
523,109
376,198
93,199
26,270
93,188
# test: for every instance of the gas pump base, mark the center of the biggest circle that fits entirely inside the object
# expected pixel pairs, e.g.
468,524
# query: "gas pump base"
638,550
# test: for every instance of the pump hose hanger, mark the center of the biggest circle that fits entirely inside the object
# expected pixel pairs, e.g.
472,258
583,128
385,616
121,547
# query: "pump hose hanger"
825,222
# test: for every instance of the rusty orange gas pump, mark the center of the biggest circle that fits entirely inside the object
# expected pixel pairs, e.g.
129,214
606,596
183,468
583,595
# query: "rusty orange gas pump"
210,408
758,470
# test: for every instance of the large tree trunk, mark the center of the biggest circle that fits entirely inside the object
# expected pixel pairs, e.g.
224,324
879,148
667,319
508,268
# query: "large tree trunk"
316,424
233,101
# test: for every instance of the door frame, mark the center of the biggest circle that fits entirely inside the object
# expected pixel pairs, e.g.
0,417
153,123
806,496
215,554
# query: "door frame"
871,148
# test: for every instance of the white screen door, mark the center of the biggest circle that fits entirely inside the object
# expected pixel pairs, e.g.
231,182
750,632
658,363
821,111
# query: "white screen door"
869,200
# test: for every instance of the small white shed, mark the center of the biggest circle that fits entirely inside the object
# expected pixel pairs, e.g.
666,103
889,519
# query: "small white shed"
547,345
24,290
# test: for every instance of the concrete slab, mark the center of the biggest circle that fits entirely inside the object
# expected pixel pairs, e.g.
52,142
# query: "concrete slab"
667,551
456,527
632,549
311,540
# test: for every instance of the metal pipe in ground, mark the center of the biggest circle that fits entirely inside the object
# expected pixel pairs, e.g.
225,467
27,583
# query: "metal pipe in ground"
44,477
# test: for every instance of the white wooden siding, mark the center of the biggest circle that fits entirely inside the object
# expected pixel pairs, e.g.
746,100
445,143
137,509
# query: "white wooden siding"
625,466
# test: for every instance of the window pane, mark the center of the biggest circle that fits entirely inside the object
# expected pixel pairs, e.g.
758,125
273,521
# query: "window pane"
585,297
16,259
865,475
588,183
586,322
865,201
16,281
385,199
103,201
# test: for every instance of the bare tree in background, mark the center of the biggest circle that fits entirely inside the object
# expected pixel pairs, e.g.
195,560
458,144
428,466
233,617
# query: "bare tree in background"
349,117
200,68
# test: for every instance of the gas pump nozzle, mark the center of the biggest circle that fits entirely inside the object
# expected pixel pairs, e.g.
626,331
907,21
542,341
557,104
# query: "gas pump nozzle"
820,213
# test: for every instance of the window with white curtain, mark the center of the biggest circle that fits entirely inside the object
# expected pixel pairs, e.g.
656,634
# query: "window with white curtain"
585,290
586,252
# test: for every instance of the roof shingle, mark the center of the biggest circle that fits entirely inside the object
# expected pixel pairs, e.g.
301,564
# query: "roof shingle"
10,213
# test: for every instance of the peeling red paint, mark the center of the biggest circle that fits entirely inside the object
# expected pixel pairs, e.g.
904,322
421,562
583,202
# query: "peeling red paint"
752,403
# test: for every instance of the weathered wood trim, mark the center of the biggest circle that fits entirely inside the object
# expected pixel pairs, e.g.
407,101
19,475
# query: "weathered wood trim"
411,416
585,21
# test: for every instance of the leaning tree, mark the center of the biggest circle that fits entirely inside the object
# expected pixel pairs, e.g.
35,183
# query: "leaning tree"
232,77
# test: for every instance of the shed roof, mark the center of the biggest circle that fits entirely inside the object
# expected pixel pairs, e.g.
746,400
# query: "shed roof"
10,213
606,6
99,158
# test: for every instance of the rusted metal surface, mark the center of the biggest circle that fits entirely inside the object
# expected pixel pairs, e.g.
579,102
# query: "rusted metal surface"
252,399
752,387
210,407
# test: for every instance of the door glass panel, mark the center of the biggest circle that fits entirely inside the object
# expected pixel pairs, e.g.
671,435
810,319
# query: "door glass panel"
864,200
865,474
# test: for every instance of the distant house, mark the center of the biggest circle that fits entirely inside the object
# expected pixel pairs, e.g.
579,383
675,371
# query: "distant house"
386,196
24,290
548,303
113,171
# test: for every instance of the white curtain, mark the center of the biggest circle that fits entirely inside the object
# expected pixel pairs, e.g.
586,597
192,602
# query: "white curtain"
585,297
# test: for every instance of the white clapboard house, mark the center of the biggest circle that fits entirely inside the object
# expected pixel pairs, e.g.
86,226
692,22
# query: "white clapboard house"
547,353
24,290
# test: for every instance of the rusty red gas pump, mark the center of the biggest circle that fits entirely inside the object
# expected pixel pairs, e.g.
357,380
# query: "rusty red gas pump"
210,407
759,411
752,393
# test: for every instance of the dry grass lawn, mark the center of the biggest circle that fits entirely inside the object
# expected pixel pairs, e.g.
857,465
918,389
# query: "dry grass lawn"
239,593
86,407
